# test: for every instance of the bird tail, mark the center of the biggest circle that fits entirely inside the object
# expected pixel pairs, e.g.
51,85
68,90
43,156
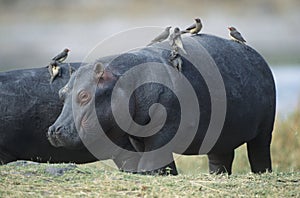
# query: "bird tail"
51,79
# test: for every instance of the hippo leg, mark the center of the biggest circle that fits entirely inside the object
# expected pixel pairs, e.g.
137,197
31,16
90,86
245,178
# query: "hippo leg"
128,162
148,162
259,153
220,163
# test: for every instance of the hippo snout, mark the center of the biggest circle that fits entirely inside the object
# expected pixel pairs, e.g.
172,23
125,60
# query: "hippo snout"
54,131
55,135
64,136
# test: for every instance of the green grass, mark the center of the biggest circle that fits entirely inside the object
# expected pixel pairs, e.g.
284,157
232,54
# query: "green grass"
94,180
100,179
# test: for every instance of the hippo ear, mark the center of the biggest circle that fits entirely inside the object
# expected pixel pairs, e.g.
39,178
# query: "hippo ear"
98,70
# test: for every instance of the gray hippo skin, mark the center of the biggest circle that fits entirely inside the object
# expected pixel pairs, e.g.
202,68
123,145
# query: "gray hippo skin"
28,106
250,100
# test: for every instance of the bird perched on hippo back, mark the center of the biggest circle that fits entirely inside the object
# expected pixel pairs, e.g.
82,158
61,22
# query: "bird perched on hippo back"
195,28
236,35
161,37
54,71
175,60
54,68
61,56
176,41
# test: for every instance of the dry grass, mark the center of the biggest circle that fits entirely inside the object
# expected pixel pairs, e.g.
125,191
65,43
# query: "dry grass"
95,181
286,142
102,180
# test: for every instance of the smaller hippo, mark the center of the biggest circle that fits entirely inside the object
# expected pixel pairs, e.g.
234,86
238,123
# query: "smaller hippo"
28,106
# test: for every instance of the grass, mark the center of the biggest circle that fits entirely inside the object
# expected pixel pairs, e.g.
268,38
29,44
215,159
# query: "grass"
92,180
100,179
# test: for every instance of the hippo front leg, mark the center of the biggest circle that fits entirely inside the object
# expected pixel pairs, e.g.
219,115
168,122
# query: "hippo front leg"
149,162
127,161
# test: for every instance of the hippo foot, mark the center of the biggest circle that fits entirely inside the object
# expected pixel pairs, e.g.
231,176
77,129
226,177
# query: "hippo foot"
147,164
220,163
170,169
259,154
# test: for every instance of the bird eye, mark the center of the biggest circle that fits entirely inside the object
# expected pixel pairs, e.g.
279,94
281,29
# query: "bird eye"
83,97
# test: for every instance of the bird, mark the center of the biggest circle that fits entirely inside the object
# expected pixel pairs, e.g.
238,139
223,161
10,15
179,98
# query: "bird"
175,40
235,35
176,60
54,71
161,37
195,28
61,56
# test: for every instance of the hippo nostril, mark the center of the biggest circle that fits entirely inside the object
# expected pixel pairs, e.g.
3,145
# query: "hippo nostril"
51,130
58,129
54,131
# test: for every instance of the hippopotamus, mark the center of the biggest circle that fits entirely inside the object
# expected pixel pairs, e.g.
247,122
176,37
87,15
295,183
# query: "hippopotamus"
28,106
136,109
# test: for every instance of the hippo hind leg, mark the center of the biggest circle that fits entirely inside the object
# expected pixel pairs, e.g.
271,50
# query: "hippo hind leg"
259,153
220,163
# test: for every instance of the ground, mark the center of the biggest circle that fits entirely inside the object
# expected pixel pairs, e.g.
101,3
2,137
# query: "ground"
97,180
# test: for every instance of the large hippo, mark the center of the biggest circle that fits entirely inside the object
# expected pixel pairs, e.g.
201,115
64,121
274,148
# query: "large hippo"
224,97
28,106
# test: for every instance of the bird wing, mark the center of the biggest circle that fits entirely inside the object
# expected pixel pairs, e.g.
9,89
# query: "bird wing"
238,36
50,70
162,36
178,42
191,27
171,39
55,71
59,56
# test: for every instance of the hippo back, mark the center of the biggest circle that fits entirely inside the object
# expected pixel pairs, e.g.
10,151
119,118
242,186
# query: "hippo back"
28,105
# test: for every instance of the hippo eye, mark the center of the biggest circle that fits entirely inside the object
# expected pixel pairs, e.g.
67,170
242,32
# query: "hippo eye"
83,97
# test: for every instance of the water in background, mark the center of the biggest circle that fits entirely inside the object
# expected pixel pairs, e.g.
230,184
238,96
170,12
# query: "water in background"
287,79
32,32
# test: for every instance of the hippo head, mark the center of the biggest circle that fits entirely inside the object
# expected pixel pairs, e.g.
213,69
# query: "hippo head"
77,119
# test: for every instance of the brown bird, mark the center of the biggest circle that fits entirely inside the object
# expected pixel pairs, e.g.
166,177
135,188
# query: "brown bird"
235,35
61,56
161,37
175,60
195,28
175,40
54,71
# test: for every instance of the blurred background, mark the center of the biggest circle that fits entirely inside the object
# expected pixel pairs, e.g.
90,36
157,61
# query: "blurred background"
32,32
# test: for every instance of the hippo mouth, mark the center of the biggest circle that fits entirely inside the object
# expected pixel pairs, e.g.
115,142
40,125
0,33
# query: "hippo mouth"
61,137
54,139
